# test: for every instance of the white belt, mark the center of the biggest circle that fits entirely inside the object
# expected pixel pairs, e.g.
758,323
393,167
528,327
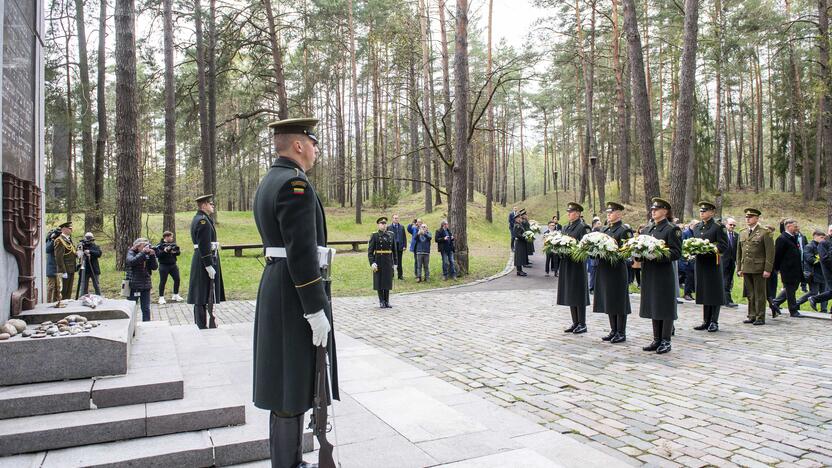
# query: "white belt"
214,246
280,252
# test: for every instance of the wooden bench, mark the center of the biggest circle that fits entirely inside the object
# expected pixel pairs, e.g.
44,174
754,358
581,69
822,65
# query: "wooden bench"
238,248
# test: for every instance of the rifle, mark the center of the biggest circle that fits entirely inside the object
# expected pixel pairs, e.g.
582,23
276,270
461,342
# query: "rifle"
212,295
318,422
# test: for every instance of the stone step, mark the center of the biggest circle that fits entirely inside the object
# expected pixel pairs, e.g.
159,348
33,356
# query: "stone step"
208,408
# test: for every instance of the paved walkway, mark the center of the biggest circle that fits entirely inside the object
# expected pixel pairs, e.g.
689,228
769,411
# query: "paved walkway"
746,396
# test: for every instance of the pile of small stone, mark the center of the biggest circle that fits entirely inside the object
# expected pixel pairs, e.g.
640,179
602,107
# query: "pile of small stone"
69,325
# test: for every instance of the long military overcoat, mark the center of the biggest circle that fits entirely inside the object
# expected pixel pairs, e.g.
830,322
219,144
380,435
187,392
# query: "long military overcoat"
659,284
612,288
710,289
379,251
521,247
203,235
573,289
289,214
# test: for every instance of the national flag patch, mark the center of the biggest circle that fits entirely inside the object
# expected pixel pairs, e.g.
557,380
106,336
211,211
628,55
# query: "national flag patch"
298,187
298,190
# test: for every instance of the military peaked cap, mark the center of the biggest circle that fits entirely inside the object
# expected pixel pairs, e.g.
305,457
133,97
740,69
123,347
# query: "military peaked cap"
383,219
572,206
202,198
305,126
753,212
67,224
614,206
706,206
660,203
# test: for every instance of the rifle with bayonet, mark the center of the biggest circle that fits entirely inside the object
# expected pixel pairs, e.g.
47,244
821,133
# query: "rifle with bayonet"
318,422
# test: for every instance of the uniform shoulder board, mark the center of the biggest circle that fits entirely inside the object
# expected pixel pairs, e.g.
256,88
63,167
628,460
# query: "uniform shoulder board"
678,231
202,221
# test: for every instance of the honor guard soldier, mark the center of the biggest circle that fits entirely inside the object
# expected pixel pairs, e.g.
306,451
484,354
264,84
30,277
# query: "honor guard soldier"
710,289
755,261
612,291
573,289
521,255
65,257
380,253
205,265
659,284
293,315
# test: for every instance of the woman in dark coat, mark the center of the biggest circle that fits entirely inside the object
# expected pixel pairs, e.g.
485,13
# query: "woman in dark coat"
380,253
573,290
521,256
659,284
612,291
141,261
710,289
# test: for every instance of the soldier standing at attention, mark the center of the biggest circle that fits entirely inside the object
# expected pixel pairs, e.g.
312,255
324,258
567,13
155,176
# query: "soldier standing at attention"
755,261
573,289
659,284
65,256
612,297
293,314
205,264
710,289
380,253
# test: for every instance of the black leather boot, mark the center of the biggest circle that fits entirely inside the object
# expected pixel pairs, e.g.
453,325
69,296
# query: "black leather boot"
580,328
664,347
652,346
619,338
610,336
285,442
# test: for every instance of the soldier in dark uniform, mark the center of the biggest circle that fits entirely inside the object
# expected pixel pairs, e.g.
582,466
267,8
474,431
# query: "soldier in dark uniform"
659,285
205,264
65,258
293,316
710,289
521,257
380,253
573,290
612,291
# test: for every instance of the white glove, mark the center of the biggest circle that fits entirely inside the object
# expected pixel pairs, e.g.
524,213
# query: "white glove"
65,276
79,253
375,266
320,327
211,272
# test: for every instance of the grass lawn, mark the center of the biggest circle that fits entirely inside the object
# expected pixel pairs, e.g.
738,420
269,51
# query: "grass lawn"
351,271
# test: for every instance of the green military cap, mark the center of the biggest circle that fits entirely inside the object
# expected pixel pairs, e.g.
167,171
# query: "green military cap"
304,126
383,219
67,224
706,206
572,206
614,206
660,203
752,212
202,198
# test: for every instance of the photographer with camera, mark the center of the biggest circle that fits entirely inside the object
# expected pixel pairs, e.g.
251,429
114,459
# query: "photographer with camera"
422,251
413,229
53,280
141,261
166,253
89,252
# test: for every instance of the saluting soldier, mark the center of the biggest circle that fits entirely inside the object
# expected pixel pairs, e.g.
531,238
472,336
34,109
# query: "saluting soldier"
710,288
380,253
65,257
573,290
612,291
659,284
521,256
293,316
205,264
755,261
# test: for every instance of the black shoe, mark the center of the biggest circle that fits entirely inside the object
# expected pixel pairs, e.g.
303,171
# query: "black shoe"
522,273
581,328
401,277
795,314
677,301
813,303
664,347
775,310
571,329
387,305
618,338
652,346
673,331
704,326
609,337
304,464
688,297
731,305
713,327
527,266
748,321
381,305
759,322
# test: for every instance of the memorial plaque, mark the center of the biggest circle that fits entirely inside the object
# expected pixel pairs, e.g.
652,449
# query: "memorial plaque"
19,158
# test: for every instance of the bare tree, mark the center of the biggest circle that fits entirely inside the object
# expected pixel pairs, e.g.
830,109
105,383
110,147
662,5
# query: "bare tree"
277,62
101,104
492,152
459,212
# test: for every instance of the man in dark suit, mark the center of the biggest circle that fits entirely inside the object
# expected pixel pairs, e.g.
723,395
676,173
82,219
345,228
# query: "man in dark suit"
511,217
812,270
729,261
788,262
401,243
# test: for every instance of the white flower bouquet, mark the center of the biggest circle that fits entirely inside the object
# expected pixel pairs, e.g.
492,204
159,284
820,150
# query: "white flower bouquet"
695,246
597,245
529,236
534,227
644,247
558,244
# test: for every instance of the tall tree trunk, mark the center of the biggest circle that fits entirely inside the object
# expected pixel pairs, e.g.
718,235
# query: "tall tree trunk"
101,104
545,149
641,103
621,105
826,77
373,51
359,167
522,143
204,132
587,80
684,129
277,63
169,218
341,165
447,121
760,172
492,153
819,152
423,25
415,123
128,186
720,156
459,214
211,88
87,156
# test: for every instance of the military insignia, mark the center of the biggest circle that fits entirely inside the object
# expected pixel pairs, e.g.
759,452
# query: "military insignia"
202,221
298,187
678,233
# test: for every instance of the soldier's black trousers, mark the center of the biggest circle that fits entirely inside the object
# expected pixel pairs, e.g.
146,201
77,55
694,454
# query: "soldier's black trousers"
578,314
399,254
285,440
618,324
662,329
383,295
710,314
201,318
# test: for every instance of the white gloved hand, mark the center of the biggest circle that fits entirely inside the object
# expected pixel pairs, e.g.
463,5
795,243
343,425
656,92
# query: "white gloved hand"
375,266
79,253
65,276
211,272
320,327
